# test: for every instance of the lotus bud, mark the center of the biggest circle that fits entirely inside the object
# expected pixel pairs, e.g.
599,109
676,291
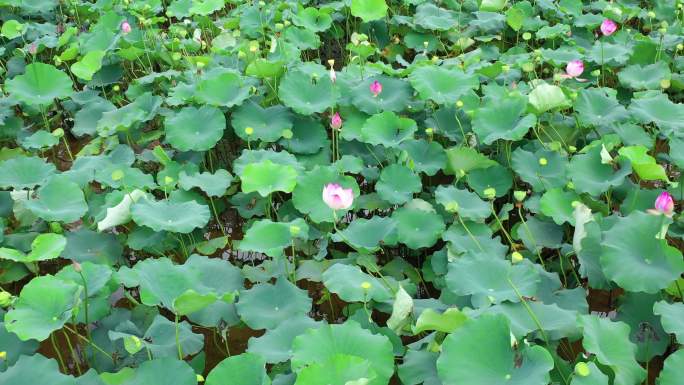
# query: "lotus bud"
5,300
574,68
332,74
249,131
337,197
376,88
77,266
664,203
117,175
516,257
519,195
489,193
336,121
582,369
608,27
125,27
295,230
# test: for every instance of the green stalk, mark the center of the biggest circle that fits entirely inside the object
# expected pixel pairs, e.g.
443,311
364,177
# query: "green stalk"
74,356
180,350
57,352
469,233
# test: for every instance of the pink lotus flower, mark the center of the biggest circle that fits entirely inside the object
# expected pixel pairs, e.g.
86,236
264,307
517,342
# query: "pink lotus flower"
336,121
608,27
125,27
664,203
333,75
337,197
574,68
375,88
33,48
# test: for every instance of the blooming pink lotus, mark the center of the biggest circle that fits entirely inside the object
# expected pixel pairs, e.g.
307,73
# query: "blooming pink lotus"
376,88
574,68
125,27
664,203
337,197
336,121
608,27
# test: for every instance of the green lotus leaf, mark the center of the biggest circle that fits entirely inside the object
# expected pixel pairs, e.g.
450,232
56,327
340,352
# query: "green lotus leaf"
419,367
369,10
205,7
442,85
418,227
609,341
590,175
558,323
165,215
162,283
313,19
646,332
395,96
538,234
446,322
493,5
635,259
265,306
643,164
557,204
491,280
672,369
397,184
299,91
497,177
276,344
43,247
503,119
368,235
39,140
214,185
466,159
163,371
348,283
163,338
425,156
468,205
89,64
387,129
482,347
431,17
267,177
327,342
531,168
599,107
36,369
672,317
195,129
338,369
257,156
45,304
59,200
271,238
268,124
603,53
144,108
243,369
660,110
40,85
12,29
308,136
25,172
222,89
307,197
546,97
647,77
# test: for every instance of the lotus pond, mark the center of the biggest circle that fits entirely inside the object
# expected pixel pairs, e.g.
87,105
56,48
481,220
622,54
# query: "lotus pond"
354,192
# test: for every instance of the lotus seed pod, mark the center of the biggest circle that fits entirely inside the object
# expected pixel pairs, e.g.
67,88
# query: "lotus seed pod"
543,162
526,36
516,257
452,207
3,355
490,193
459,103
200,378
519,195
651,14
665,84
58,132
249,131
295,230
116,88
168,180
287,133
117,175
5,300
365,285
582,369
